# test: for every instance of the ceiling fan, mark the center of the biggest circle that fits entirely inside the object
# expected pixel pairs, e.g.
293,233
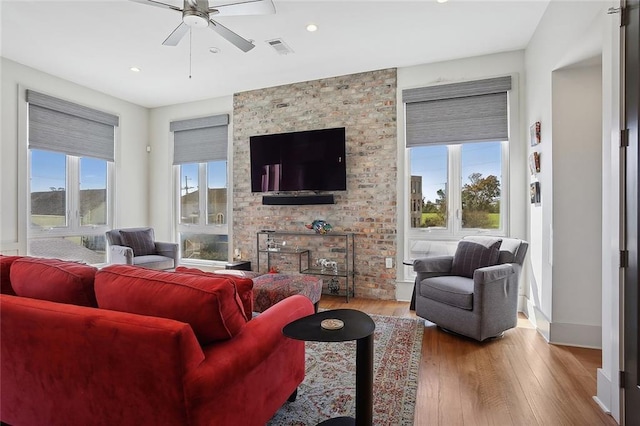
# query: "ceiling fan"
197,14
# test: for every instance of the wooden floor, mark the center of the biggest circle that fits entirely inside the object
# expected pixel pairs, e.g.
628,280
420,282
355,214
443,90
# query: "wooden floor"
519,379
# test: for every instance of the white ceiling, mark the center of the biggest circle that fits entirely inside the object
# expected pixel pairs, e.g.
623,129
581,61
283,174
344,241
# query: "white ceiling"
94,43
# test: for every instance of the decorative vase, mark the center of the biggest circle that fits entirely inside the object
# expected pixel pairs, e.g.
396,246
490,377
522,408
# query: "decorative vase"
319,226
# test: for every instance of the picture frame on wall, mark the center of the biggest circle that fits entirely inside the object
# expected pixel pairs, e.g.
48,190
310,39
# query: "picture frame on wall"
534,132
534,162
535,193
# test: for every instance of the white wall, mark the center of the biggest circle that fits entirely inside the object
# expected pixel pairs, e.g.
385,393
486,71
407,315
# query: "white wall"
577,202
162,188
565,35
501,64
131,173
569,33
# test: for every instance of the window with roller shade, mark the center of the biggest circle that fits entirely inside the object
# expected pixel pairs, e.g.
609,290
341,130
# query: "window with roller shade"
200,157
71,154
457,140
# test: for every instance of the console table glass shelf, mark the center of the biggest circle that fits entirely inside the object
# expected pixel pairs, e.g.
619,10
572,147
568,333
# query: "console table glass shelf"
335,247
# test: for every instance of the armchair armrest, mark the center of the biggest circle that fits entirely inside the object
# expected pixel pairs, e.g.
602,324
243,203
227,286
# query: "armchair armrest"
169,250
428,267
493,273
495,290
433,264
121,255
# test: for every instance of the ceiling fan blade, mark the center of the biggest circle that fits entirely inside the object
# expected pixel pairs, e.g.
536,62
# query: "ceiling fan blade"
158,4
177,34
233,38
248,7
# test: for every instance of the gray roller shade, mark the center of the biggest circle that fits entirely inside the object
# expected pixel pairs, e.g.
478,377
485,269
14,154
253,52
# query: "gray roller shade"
199,140
63,126
472,111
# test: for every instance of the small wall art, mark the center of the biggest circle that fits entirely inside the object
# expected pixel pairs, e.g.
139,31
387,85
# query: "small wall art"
534,131
534,162
535,193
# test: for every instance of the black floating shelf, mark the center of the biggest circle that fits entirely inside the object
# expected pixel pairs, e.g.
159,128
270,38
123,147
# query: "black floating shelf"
291,200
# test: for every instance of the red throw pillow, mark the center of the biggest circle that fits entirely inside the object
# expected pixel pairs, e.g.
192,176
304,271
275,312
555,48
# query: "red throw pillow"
211,305
5,280
54,280
244,286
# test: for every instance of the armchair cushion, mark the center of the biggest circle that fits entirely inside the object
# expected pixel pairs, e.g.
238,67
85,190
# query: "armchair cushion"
142,241
475,253
452,290
211,305
153,261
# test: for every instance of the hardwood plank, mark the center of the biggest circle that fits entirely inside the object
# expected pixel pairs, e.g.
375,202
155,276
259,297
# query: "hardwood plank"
519,379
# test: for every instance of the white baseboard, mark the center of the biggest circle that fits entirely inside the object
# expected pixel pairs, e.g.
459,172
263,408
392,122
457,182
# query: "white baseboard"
581,335
603,394
540,321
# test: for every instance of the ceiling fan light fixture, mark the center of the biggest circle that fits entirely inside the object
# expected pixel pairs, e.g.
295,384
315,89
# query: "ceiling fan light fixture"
195,19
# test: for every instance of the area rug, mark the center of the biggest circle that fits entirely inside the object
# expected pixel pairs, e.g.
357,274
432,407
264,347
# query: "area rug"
328,389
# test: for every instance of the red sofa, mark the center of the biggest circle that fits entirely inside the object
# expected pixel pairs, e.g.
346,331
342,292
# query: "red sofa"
160,348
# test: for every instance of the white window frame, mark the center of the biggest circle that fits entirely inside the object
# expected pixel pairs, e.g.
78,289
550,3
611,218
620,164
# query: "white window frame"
445,240
202,227
73,228
454,229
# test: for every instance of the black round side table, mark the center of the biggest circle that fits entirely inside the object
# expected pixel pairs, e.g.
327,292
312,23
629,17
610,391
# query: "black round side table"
358,326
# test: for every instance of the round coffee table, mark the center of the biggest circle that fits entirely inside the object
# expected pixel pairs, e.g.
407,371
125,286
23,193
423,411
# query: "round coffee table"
358,326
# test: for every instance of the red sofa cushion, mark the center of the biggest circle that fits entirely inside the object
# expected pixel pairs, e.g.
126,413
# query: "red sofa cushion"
211,305
244,286
54,280
5,280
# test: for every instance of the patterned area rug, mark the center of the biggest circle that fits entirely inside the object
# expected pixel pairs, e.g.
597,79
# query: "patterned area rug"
328,389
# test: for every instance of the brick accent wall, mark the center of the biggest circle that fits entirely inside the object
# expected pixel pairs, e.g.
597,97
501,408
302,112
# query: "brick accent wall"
365,104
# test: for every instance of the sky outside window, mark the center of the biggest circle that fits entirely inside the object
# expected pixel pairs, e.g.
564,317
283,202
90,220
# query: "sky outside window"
431,163
48,171
217,174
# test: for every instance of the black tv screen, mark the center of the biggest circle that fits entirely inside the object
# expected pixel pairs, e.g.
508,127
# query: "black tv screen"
312,160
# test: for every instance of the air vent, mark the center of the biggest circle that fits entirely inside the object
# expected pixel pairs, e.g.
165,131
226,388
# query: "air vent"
280,46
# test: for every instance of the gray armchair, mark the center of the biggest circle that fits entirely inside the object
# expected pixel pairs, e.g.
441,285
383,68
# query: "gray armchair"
137,246
477,302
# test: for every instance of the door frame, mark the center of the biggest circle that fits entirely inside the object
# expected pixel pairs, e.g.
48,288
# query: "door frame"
630,219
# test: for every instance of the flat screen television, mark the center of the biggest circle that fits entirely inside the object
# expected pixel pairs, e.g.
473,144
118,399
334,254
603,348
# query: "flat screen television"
312,160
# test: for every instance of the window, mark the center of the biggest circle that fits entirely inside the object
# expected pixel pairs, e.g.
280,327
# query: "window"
70,168
200,158
457,179
456,189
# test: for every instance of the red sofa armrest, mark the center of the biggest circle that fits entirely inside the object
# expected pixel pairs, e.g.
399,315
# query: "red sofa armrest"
259,368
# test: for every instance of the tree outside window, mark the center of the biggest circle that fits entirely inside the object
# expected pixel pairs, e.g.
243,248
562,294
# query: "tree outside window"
457,189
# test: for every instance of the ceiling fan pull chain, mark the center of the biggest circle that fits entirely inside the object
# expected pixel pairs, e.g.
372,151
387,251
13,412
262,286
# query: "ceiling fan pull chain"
190,51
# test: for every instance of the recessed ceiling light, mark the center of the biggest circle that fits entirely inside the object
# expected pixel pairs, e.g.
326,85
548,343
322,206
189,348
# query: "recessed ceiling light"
214,49
135,69
442,1
312,27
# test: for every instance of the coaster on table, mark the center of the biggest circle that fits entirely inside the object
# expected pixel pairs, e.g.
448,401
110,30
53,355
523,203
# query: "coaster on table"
332,324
